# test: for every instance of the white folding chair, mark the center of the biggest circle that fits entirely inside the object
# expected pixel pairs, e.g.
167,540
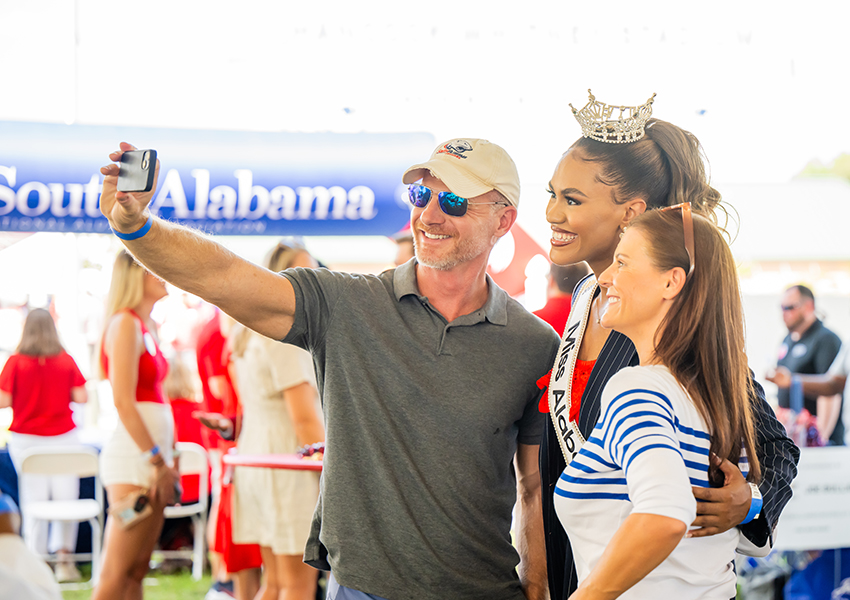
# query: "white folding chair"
79,461
193,460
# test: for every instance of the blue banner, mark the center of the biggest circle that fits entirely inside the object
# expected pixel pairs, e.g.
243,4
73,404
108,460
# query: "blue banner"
222,182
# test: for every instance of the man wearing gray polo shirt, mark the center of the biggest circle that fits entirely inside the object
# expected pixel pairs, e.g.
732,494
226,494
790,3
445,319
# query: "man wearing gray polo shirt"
428,377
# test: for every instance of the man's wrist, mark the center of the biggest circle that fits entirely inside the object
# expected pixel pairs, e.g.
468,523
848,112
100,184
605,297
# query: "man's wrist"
138,233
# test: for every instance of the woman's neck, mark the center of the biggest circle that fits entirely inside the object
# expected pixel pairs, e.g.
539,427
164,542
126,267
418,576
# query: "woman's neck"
144,309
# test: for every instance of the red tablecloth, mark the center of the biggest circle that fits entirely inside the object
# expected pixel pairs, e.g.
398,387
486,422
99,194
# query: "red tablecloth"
273,461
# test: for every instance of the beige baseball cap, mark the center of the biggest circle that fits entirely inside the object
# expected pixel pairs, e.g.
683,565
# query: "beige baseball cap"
470,167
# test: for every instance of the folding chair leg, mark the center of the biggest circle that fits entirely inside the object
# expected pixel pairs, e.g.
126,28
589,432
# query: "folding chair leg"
198,548
96,545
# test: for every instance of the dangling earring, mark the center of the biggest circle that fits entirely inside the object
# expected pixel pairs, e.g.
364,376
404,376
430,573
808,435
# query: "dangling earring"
623,230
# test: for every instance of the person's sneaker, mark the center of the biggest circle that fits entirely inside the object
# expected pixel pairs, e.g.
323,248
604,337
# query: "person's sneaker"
220,590
66,572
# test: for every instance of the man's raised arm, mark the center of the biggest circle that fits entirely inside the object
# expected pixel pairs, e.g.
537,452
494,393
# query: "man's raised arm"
254,296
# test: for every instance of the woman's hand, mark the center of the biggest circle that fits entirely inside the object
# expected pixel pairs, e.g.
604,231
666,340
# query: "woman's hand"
165,485
125,211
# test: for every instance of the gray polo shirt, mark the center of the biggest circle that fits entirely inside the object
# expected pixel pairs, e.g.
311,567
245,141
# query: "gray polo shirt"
422,420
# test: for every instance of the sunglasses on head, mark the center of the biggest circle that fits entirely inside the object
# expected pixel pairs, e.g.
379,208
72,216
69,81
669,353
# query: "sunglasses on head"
688,226
450,203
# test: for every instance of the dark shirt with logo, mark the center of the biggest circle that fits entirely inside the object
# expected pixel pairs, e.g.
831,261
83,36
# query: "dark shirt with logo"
812,354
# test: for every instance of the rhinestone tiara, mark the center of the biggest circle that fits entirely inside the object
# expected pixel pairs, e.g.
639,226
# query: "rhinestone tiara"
597,124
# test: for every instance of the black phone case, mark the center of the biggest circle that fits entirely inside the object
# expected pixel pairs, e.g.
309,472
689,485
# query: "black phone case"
132,176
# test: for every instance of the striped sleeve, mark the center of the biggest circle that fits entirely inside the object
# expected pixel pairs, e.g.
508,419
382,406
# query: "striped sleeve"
640,435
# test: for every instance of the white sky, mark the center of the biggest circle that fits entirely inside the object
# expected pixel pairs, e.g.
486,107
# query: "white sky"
762,84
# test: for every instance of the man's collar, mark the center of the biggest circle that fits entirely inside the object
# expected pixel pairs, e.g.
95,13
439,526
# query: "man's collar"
494,310
796,336
404,280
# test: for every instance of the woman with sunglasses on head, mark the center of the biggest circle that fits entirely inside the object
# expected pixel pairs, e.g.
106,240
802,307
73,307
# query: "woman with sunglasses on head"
619,169
625,499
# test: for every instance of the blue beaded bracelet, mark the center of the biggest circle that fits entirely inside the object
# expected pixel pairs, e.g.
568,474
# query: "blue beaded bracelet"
136,234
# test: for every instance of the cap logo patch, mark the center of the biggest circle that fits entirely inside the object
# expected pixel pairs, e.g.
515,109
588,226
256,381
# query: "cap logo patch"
456,148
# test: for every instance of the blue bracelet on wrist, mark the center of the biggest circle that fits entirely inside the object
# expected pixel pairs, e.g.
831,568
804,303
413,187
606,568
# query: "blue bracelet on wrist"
755,507
136,234
151,454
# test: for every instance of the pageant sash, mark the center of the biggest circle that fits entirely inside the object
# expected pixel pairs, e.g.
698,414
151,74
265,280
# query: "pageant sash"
561,384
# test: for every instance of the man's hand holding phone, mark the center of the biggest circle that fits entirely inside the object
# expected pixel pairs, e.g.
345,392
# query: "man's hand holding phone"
126,210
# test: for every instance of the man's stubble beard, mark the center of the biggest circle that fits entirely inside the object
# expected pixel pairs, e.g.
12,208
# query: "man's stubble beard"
464,251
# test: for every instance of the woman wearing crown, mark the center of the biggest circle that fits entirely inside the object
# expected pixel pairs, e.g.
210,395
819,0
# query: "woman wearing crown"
621,168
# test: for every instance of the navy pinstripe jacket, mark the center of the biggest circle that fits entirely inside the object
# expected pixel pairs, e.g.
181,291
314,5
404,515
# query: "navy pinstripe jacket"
777,453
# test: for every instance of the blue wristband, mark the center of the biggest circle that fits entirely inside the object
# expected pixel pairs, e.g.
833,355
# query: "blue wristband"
136,234
755,509
152,453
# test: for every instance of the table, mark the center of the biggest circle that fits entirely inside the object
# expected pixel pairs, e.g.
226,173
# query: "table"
292,462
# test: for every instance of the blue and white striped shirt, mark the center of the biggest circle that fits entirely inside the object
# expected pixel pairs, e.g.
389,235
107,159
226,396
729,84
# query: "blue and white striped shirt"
647,450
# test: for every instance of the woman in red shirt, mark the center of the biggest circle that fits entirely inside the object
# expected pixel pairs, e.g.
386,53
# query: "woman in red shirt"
136,463
39,382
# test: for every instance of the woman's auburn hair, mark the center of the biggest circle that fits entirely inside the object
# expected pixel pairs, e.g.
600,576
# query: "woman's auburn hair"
701,339
39,336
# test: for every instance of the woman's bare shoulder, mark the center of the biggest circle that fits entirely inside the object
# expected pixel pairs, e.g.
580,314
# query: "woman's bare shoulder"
122,326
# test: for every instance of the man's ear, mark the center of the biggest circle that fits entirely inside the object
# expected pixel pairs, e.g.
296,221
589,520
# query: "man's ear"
634,207
676,278
507,218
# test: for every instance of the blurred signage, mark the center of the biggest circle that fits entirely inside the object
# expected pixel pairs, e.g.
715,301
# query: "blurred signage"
222,182
818,515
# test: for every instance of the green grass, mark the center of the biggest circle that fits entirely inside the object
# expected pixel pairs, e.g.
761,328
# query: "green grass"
179,586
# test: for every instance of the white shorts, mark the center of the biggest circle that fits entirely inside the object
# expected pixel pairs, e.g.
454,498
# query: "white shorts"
121,460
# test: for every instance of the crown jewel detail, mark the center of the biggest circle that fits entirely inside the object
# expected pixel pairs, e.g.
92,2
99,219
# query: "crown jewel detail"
597,124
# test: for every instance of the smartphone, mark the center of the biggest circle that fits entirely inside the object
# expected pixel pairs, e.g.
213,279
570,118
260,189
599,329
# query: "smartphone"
136,171
178,493
131,509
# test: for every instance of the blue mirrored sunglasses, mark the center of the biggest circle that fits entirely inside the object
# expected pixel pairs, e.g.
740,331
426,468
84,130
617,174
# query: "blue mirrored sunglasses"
450,203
